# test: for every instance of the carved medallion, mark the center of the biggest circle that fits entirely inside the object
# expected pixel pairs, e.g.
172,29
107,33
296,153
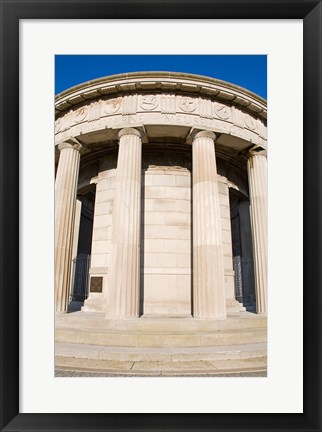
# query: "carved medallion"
222,111
112,106
250,122
187,104
261,129
63,123
58,125
80,115
149,102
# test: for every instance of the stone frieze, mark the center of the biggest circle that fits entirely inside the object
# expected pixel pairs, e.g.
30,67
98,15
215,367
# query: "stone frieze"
167,109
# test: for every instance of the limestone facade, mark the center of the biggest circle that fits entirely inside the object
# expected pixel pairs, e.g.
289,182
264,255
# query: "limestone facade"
169,173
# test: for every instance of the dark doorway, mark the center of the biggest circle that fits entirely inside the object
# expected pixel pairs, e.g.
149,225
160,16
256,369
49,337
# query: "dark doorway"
242,250
81,261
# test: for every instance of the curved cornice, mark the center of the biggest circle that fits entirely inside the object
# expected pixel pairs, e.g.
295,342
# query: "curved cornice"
179,83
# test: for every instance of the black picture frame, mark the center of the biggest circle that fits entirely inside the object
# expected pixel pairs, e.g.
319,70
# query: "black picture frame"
11,12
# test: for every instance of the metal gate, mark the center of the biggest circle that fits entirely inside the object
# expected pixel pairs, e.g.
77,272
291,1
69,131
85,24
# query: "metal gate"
242,268
80,278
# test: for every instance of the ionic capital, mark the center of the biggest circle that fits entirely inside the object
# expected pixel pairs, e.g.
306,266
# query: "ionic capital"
256,151
72,143
197,133
205,134
130,131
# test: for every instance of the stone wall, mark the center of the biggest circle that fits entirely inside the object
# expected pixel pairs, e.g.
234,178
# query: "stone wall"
166,241
102,233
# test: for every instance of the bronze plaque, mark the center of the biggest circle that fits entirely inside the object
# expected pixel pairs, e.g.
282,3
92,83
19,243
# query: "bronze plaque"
96,284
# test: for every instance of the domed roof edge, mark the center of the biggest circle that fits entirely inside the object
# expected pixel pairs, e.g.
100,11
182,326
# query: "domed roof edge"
158,74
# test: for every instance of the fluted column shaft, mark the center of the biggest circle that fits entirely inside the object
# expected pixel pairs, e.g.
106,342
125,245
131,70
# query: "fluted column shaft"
208,268
65,205
257,179
124,287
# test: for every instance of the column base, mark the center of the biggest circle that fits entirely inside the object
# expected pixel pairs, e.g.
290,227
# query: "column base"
94,303
233,305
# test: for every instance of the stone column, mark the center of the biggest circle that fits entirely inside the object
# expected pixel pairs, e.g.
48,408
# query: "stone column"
257,179
124,286
65,205
208,267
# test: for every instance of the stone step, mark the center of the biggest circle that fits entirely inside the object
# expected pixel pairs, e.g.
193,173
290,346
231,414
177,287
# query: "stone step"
160,338
89,320
98,352
161,368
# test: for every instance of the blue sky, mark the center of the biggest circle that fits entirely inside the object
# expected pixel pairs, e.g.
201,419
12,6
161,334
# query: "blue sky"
249,71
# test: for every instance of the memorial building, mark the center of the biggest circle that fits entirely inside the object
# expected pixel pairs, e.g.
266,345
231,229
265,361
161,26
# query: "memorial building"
161,198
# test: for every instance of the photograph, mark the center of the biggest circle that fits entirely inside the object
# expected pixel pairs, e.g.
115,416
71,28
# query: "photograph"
161,215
